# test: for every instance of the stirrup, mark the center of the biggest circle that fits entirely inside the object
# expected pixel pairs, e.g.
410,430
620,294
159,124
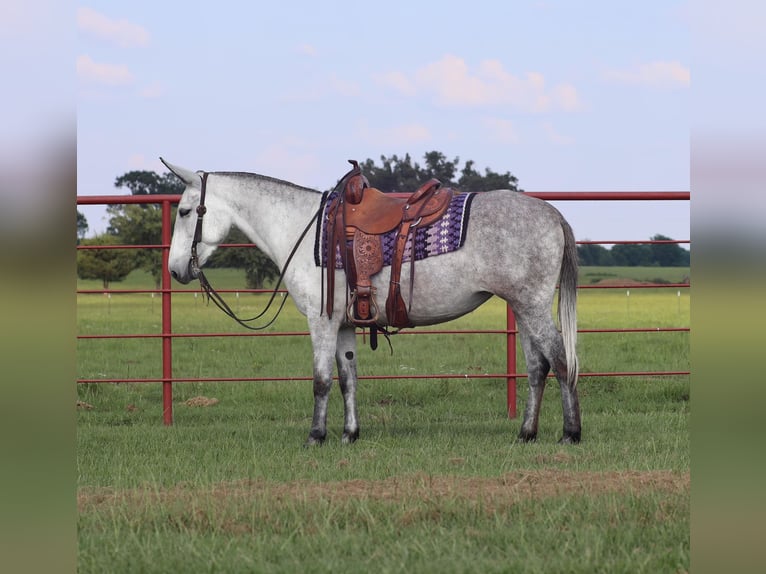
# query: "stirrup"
362,322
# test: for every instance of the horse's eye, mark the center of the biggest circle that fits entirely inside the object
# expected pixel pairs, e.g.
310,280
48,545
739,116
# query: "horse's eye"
184,212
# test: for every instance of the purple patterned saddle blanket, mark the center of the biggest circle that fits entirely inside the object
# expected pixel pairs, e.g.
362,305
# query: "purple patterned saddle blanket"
443,236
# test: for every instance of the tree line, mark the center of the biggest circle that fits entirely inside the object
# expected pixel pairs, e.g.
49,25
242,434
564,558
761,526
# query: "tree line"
635,255
141,224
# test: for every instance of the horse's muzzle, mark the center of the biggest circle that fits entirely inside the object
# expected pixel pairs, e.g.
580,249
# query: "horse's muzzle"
185,278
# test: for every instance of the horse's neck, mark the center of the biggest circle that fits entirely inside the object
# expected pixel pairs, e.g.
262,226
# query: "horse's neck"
272,213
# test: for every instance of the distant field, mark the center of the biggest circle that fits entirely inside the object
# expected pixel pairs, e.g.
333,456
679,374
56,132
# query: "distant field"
591,275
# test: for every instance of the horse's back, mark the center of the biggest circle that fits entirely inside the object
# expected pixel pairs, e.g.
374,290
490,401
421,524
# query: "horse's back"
515,230
522,217
513,249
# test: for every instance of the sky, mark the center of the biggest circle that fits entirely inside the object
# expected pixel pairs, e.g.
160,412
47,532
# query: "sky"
567,96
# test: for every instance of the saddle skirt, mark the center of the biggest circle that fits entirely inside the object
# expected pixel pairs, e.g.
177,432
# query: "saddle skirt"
363,229
443,236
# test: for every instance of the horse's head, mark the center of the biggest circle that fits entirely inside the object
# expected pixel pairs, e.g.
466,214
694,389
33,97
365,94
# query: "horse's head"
216,224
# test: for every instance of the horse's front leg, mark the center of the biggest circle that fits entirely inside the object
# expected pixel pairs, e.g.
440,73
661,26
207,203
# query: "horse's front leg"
323,340
345,357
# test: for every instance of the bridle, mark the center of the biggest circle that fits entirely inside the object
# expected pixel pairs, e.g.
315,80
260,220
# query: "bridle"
201,211
212,294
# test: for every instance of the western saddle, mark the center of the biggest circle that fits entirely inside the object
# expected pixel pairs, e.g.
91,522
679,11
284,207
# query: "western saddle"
357,217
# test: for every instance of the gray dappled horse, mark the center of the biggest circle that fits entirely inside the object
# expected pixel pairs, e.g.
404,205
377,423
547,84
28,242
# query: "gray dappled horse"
516,247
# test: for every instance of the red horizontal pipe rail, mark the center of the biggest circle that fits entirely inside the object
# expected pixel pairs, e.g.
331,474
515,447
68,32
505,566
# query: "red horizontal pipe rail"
239,245
190,291
627,241
172,198
306,333
637,286
511,376
546,195
154,246
379,377
256,291
610,195
132,246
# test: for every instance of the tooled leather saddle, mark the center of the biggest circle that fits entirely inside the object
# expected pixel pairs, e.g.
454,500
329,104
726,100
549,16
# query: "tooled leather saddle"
357,217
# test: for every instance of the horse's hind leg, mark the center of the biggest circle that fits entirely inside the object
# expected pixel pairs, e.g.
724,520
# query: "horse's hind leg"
571,405
569,401
345,357
546,341
537,371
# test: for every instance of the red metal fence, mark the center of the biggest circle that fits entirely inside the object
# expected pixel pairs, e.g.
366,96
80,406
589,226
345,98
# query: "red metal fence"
167,335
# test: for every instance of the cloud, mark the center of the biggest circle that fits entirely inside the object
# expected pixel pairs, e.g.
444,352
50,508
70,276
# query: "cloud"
451,82
329,87
138,161
306,50
17,20
501,130
398,82
120,32
340,87
107,74
407,133
657,74
152,91
396,135
555,137
290,158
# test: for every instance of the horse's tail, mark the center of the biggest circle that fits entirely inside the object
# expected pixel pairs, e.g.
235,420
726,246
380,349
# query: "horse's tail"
567,308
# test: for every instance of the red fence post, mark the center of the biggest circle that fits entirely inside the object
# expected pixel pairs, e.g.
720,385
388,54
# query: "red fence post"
167,328
510,343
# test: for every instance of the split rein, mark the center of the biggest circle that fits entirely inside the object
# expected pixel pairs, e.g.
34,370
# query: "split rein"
212,294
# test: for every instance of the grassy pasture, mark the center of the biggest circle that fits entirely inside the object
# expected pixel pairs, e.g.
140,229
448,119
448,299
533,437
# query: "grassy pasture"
436,482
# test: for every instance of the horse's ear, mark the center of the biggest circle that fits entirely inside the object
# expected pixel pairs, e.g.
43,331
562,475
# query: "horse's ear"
185,175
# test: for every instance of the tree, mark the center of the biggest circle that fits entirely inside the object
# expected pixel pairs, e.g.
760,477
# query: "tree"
472,180
395,174
105,264
143,182
141,224
258,268
437,166
82,226
401,174
593,254
668,254
632,255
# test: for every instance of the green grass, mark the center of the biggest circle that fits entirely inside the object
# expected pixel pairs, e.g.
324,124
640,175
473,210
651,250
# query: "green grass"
603,533
228,488
590,275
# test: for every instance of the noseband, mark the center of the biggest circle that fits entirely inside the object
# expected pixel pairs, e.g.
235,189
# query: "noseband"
212,294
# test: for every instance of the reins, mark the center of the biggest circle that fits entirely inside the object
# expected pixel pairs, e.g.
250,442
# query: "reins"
213,294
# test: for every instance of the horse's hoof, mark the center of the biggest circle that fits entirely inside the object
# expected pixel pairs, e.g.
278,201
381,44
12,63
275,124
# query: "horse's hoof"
527,437
570,438
349,437
314,440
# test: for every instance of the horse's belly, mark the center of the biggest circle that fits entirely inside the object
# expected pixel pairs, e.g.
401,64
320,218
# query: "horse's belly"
445,309
443,289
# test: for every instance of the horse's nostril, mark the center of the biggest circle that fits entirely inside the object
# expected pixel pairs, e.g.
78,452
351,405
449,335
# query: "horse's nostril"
174,275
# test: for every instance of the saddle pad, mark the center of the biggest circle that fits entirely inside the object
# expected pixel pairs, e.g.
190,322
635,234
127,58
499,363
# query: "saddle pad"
443,236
